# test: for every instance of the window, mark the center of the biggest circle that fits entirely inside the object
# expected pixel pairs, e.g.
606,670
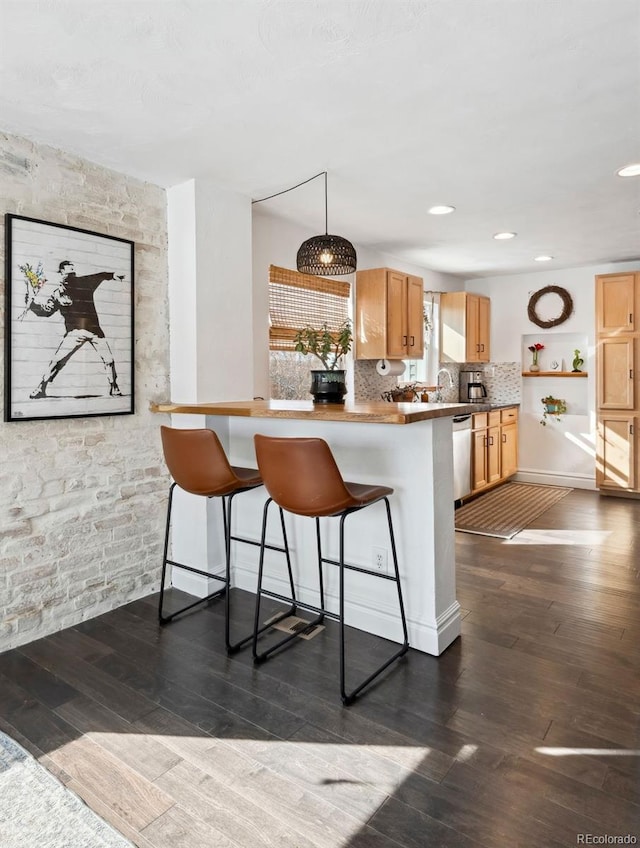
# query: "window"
425,370
297,301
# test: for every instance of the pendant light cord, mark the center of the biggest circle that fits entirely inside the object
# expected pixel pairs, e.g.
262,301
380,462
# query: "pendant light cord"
304,182
326,207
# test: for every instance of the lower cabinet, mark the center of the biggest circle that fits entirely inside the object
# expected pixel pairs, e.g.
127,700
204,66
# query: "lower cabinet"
494,449
508,450
615,456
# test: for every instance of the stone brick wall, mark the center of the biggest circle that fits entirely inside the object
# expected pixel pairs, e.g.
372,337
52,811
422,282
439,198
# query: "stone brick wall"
82,500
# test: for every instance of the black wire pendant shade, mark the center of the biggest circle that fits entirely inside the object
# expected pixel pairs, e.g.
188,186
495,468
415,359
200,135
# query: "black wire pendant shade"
326,255
323,255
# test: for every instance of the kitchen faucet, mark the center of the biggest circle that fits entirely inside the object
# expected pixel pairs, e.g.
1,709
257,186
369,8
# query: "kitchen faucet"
439,387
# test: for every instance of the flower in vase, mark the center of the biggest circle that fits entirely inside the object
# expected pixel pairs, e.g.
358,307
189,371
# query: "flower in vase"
535,350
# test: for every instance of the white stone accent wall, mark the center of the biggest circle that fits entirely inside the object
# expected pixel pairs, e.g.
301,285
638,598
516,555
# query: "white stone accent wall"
82,501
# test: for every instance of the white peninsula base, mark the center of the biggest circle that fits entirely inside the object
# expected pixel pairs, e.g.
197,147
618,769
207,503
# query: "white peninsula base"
416,459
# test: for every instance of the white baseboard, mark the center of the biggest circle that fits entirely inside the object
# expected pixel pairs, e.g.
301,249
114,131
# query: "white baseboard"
555,478
194,584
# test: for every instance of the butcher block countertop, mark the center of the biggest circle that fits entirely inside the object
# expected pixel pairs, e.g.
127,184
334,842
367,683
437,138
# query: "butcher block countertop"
377,412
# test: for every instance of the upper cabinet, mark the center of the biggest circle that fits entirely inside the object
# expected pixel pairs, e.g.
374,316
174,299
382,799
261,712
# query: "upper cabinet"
464,327
389,315
615,303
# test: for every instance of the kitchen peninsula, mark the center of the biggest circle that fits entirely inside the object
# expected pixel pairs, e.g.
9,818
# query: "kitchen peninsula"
407,446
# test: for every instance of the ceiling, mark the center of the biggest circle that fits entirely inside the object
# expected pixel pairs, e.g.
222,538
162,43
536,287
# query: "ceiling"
517,112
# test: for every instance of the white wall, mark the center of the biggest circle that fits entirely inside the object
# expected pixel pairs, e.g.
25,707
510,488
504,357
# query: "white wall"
560,452
211,293
82,500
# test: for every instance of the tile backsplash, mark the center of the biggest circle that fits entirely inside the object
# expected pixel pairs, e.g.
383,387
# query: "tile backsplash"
368,385
502,380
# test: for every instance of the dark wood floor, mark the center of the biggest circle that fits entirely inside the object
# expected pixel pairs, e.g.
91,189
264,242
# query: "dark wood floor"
524,733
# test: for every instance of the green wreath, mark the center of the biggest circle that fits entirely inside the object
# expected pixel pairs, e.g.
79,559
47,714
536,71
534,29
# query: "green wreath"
567,306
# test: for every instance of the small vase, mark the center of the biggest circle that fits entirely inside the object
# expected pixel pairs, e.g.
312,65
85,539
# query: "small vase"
534,367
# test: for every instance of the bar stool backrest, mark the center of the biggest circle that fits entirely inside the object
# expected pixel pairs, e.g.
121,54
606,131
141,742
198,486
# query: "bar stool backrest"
301,475
197,461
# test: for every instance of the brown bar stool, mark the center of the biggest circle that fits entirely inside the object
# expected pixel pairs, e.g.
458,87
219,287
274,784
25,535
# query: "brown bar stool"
198,464
301,476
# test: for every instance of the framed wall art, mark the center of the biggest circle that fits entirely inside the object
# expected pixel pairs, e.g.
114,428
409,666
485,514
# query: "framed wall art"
69,343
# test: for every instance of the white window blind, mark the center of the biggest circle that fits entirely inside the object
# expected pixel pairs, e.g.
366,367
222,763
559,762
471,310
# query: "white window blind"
300,300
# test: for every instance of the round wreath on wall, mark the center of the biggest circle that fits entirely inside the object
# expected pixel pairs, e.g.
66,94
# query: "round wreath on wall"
567,306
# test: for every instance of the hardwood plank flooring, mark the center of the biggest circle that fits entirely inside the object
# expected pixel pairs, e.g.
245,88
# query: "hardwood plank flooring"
525,732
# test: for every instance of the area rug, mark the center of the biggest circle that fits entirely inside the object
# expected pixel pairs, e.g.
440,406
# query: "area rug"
37,810
505,511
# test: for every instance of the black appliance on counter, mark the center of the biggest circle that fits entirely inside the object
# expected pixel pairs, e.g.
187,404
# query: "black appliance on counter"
472,387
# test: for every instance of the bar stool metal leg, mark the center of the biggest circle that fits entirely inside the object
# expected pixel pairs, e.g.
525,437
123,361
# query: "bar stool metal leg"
257,630
396,571
164,619
349,697
320,566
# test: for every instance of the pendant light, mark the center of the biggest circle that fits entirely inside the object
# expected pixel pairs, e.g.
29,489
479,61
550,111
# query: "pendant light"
323,255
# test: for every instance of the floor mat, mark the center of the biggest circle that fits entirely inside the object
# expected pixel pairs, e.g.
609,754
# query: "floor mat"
505,511
37,810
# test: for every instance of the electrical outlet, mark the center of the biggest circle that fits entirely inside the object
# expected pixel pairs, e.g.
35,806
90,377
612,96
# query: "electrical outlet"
379,559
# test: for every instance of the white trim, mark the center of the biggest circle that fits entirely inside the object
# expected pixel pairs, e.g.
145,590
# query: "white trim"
194,584
555,478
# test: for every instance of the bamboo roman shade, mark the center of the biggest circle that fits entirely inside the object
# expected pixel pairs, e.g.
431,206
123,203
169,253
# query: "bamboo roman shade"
300,300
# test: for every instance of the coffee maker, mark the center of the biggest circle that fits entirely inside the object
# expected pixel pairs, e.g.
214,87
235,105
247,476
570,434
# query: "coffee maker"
472,387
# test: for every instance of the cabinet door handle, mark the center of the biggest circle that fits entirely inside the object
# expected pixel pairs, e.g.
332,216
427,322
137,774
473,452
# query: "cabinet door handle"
631,373
404,341
504,437
482,348
631,317
631,429
490,440
413,341
477,348
486,441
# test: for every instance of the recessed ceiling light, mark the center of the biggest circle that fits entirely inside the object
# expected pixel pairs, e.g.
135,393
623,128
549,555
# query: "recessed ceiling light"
501,236
542,258
441,210
630,170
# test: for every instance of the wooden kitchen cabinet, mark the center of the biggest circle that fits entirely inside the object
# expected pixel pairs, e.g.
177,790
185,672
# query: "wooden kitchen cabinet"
494,447
508,442
389,310
616,453
465,327
485,450
618,404
616,303
615,372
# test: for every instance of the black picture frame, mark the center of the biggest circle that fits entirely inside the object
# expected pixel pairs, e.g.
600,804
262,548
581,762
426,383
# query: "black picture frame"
69,322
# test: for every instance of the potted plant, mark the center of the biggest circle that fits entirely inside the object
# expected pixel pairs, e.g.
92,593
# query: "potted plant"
553,407
327,384
577,363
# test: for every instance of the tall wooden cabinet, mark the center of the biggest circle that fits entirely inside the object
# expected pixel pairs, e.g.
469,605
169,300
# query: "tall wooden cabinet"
389,320
465,327
617,397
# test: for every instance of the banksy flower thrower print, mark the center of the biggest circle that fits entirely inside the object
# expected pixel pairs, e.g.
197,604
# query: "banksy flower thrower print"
69,313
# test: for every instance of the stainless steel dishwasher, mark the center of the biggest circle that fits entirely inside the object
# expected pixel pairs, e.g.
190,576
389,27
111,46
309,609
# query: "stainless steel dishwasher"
461,456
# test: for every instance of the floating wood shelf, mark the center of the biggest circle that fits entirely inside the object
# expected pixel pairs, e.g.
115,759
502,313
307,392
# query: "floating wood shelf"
554,374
